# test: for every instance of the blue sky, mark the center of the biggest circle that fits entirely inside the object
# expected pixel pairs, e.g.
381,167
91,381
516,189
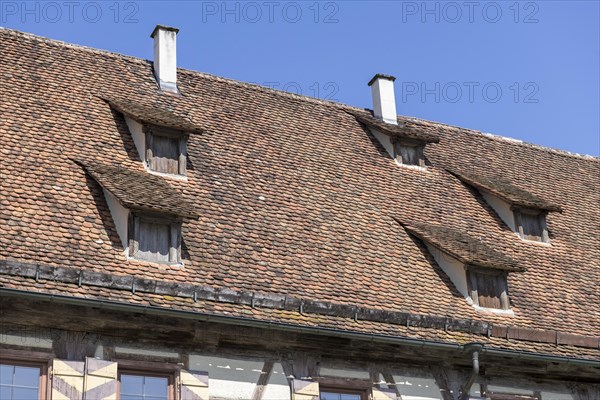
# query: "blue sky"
528,70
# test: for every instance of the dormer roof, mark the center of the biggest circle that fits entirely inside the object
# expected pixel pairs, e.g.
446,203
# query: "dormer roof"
402,130
153,115
139,190
505,190
462,246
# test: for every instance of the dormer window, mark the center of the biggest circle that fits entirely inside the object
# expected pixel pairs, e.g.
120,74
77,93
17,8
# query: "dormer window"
488,288
166,150
531,224
154,238
409,153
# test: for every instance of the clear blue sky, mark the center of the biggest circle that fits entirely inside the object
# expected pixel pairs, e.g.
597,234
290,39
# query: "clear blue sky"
528,70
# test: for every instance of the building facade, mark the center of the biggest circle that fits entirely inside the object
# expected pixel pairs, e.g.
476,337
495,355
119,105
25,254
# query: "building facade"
170,234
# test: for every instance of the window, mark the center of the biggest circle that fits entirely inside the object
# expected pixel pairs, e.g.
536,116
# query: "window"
166,150
409,153
488,288
146,386
531,224
21,381
338,394
155,238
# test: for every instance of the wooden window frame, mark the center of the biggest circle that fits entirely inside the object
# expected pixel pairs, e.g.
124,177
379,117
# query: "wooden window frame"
420,148
31,359
151,131
133,231
361,391
541,215
472,273
149,370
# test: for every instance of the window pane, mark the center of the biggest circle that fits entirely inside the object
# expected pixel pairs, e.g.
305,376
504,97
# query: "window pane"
139,387
5,392
330,396
347,396
131,397
6,374
132,385
19,383
24,394
156,387
27,376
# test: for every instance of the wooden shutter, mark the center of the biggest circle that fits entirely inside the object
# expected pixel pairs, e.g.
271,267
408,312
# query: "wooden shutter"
149,146
100,380
67,379
165,150
182,155
193,385
489,289
303,389
175,243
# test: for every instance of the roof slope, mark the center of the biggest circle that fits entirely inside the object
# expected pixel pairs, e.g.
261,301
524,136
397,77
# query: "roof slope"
294,196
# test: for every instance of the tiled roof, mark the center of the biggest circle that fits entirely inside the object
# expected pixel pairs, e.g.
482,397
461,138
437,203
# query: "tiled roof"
153,115
505,190
462,247
294,197
139,190
402,130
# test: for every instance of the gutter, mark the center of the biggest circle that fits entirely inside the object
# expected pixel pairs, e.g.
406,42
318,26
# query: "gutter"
231,320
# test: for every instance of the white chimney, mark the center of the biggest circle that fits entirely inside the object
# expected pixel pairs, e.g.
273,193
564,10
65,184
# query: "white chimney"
165,57
384,103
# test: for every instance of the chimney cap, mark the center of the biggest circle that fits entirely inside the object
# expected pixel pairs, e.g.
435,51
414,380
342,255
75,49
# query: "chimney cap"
164,28
382,76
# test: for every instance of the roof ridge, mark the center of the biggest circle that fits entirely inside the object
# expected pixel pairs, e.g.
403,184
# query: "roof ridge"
505,139
315,100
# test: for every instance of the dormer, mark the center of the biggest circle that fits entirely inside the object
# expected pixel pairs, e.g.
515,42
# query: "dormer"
147,212
160,136
523,212
478,272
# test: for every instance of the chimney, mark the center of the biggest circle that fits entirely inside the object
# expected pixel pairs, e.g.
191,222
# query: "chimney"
384,103
165,57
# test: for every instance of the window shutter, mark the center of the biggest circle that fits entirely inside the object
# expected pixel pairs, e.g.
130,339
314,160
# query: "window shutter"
175,243
193,385
305,389
149,145
182,156
383,393
67,379
100,379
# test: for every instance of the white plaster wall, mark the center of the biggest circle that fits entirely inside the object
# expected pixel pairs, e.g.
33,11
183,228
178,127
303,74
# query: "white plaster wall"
139,137
344,373
143,352
120,216
278,387
385,141
501,207
556,396
229,378
453,268
26,340
413,388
